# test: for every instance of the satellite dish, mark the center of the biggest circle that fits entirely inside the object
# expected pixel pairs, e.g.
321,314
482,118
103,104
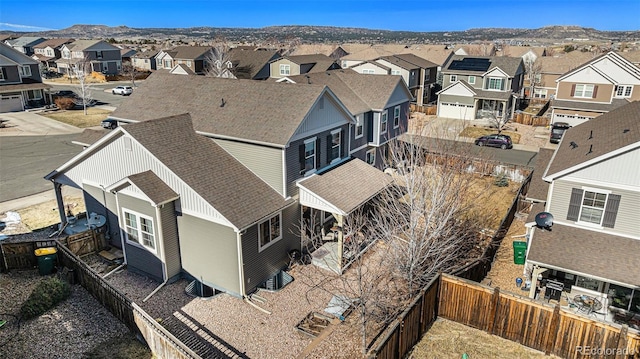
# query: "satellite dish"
544,220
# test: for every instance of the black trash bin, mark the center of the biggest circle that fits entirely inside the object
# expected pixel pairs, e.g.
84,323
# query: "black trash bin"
47,258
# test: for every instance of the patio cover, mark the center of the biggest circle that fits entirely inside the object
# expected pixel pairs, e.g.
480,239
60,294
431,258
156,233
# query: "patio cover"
598,255
344,188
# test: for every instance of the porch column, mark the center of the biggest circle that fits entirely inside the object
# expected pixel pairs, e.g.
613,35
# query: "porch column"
57,187
340,220
475,108
534,280
513,107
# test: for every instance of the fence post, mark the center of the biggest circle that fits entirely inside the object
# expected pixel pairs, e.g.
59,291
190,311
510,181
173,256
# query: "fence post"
495,299
622,342
553,330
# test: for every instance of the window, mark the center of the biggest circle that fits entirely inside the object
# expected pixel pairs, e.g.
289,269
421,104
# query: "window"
396,117
540,93
383,122
472,80
592,207
584,91
427,75
395,72
453,78
309,155
167,64
368,72
229,64
335,145
49,52
25,71
595,206
495,83
98,54
66,54
285,70
139,229
2,70
623,91
537,78
625,298
189,63
588,283
370,157
359,126
34,94
270,231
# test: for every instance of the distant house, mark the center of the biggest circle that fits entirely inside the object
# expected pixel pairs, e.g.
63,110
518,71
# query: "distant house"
24,44
592,185
21,85
480,87
418,73
251,63
97,55
301,64
145,61
193,57
596,87
550,69
48,52
126,54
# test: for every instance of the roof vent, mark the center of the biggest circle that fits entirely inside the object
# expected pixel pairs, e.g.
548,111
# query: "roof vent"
544,220
573,144
590,149
626,130
222,103
591,134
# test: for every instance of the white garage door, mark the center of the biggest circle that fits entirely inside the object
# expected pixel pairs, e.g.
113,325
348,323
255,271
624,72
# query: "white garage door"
572,120
454,110
11,103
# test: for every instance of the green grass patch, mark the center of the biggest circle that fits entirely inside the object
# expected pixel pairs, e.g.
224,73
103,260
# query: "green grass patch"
47,294
77,117
475,132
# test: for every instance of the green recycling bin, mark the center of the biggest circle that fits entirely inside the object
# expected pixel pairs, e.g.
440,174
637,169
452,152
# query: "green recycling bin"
519,252
46,259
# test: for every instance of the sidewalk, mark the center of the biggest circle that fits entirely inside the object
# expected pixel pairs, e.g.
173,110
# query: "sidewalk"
32,124
38,198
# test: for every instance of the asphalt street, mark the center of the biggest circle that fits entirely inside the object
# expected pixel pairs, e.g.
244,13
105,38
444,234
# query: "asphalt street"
100,92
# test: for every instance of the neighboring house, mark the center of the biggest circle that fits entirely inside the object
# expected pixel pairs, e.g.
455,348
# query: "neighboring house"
47,52
214,194
21,85
484,49
593,190
145,61
301,64
181,69
126,54
251,63
419,74
379,105
480,87
550,69
97,55
596,87
25,44
194,57
528,53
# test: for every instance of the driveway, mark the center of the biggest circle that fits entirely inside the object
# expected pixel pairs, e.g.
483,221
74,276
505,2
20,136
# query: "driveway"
32,124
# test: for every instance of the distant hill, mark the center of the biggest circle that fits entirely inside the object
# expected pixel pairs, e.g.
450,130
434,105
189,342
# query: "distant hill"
339,34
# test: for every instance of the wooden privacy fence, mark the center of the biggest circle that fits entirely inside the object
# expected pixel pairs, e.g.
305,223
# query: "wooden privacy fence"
429,109
530,119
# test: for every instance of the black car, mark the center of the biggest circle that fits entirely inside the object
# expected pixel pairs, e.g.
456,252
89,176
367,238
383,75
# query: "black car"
495,140
64,93
109,124
557,130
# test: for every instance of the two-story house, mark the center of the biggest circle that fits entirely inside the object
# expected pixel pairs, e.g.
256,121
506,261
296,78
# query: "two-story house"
301,64
593,189
214,194
547,69
47,52
251,62
598,86
476,88
20,81
144,60
95,55
24,44
193,57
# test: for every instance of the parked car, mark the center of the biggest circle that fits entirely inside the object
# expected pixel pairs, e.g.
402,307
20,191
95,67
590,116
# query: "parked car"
64,93
109,124
50,75
495,140
557,130
122,90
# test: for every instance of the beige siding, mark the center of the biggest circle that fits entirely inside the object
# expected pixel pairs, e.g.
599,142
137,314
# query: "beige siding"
603,95
275,68
265,162
626,220
209,253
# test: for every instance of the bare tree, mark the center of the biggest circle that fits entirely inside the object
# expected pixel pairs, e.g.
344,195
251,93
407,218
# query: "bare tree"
218,60
82,74
129,71
493,115
534,74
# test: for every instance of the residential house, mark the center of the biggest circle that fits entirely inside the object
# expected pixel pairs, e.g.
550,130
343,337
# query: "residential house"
419,74
596,87
47,52
251,63
24,44
301,64
21,85
379,104
144,61
482,49
477,88
593,189
194,57
96,55
550,69
213,194
126,54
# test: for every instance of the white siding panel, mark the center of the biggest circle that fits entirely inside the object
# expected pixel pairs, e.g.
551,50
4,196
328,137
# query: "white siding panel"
101,168
321,119
613,70
587,75
621,170
458,90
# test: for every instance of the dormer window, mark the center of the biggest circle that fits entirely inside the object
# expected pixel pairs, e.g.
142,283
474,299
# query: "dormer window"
285,70
25,71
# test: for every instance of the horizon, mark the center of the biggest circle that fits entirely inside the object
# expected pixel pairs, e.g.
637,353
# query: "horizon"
415,16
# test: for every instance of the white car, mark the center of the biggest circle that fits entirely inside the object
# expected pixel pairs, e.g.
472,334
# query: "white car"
122,90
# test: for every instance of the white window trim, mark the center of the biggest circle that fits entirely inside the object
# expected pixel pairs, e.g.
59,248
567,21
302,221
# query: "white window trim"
368,72
384,115
285,69
598,191
339,133
396,72
502,83
472,82
584,90
359,123
1,74
25,71
140,242
315,153
396,119
453,78
624,90
271,242
373,156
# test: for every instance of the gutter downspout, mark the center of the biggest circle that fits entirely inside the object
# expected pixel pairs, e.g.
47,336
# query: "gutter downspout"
155,290
114,270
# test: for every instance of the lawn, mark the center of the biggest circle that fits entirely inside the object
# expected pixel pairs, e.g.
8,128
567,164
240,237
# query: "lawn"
46,214
77,117
475,132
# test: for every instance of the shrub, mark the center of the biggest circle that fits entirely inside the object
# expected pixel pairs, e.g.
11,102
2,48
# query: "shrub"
502,180
47,294
64,103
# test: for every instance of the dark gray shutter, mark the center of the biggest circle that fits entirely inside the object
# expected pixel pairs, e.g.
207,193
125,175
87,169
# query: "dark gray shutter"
329,145
611,211
574,204
343,144
301,157
317,150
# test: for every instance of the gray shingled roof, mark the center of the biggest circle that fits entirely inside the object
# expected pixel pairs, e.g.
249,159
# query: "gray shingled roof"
589,252
14,55
54,43
248,62
409,61
589,106
510,65
90,136
349,185
25,41
539,189
153,187
188,52
253,110
597,137
322,62
232,189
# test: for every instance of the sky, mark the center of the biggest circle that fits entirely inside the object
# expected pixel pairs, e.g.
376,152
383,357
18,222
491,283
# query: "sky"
424,15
